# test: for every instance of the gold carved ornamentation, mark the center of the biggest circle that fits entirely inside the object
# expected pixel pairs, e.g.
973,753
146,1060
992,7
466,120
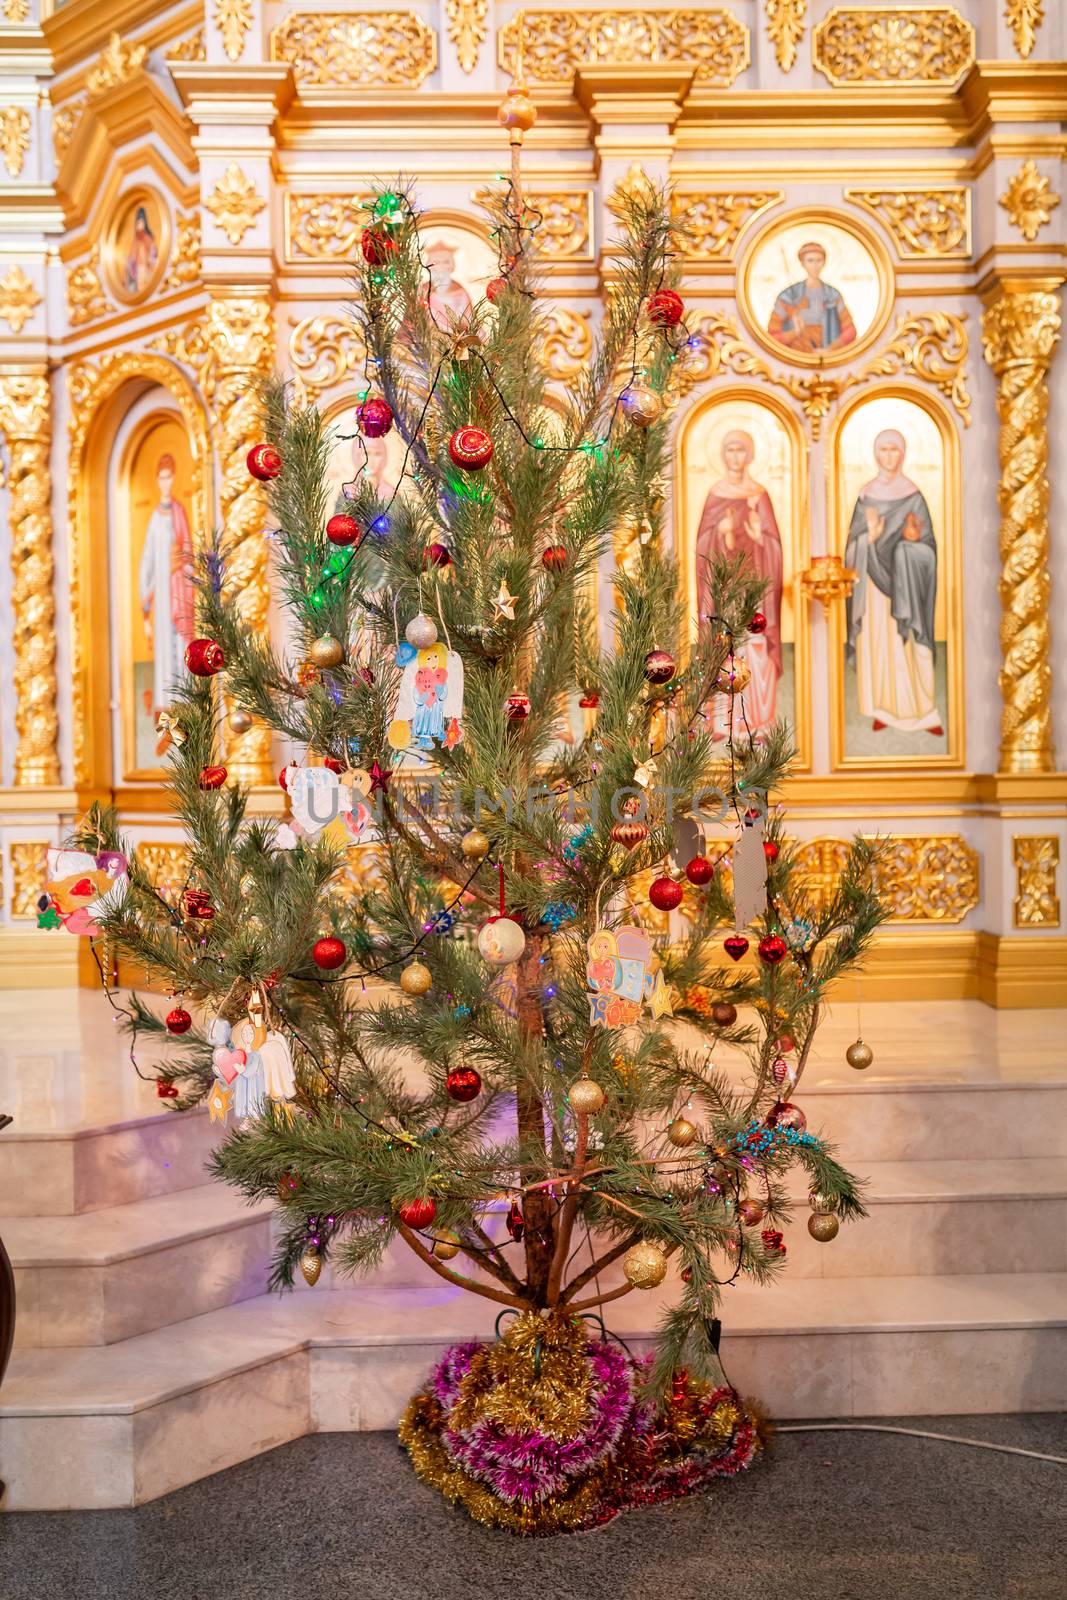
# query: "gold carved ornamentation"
324,227
185,261
18,299
1024,17
636,185
711,223
167,866
923,878
191,48
891,44
356,49
16,10
323,350
86,299
932,346
567,342
1035,858
26,423
716,346
233,18
14,137
1020,331
117,63
552,44
235,203
467,29
29,870
924,222
64,122
785,29
565,224
1029,201
827,579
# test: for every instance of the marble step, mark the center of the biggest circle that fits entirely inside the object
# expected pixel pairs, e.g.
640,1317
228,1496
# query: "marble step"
117,1425
874,1121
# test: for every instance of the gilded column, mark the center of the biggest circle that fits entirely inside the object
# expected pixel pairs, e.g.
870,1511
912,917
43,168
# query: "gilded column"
26,423
240,336
1020,330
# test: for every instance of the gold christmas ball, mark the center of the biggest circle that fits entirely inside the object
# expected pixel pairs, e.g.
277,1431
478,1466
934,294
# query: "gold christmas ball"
416,978
859,1055
820,1202
640,405
326,651
586,1095
240,721
733,676
445,1244
311,1266
474,845
644,1265
822,1227
517,111
682,1132
750,1212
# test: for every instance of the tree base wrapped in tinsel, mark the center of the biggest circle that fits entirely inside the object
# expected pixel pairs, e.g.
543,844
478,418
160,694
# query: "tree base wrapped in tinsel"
548,1431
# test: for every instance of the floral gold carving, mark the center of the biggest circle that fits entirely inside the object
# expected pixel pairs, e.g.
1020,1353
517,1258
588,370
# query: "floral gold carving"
86,299
932,346
14,137
356,49
16,10
1020,331
467,29
566,343
552,44
1029,201
116,63
235,203
191,48
325,227
564,223
636,185
1035,858
18,299
64,122
167,866
29,869
233,18
711,222
922,878
323,350
785,29
1024,17
827,579
924,222
894,44
26,424
185,260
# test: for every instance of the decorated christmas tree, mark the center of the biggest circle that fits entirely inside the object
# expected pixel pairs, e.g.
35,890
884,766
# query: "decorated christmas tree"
494,1042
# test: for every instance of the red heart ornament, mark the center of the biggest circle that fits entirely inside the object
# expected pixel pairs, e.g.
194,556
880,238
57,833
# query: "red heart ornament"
772,948
84,888
735,946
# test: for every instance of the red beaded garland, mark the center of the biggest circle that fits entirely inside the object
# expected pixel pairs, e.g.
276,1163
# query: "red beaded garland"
463,1084
204,658
700,870
264,462
179,1020
470,448
329,953
417,1213
772,949
377,246
666,308
665,894
735,945
375,417
342,529
212,777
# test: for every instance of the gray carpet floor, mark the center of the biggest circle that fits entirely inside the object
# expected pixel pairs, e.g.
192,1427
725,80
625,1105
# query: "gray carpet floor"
342,1517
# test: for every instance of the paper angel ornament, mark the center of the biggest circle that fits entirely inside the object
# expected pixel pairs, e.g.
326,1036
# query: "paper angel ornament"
429,705
253,1058
83,886
321,798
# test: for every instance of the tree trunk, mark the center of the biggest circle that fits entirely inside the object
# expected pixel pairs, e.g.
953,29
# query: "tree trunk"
538,1208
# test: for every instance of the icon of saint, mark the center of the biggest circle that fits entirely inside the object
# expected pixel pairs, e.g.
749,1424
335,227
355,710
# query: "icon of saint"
811,316
447,300
168,593
142,255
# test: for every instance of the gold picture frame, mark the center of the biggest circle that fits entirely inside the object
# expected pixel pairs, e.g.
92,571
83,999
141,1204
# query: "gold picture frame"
884,407
856,263
135,256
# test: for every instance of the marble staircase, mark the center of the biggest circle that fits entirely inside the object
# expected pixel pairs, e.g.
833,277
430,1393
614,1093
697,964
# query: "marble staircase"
149,1355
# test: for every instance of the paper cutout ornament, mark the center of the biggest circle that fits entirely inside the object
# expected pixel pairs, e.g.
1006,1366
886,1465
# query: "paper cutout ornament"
83,886
429,705
323,800
750,873
617,973
254,1058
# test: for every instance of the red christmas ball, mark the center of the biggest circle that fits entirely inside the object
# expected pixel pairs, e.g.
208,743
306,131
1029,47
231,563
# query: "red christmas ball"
329,953
463,1084
417,1213
735,945
757,623
665,894
554,558
179,1020
687,1274
786,1115
212,777
514,1222
436,555
366,676
517,707
659,666
471,448
666,308
342,529
589,700
377,246
332,764
770,850
785,1044
700,870
166,1090
772,949
494,289
375,417
264,462
204,658
283,780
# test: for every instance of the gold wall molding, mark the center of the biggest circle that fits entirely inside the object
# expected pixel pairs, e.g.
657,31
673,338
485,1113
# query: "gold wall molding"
65,121
894,44
29,869
324,227
1021,970
1029,201
925,223
712,221
235,203
167,864
565,228
567,342
233,18
26,423
553,44
356,49
924,877
191,48
86,299
1035,858
18,299
323,350
185,258
14,138
1024,17
116,63
786,20
467,29
16,10
1020,331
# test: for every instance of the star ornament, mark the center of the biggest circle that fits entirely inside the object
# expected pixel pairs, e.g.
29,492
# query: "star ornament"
660,1002
505,603
379,777
219,1102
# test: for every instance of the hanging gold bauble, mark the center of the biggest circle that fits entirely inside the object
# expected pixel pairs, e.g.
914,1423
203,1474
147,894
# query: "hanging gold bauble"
311,1266
416,978
859,1055
682,1132
820,1202
823,1227
640,405
474,845
733,676
586,1095
240,721
750,1212
644,1265
326,651
445,1244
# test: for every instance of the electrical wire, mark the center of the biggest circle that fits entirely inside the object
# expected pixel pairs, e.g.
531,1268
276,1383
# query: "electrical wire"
917,1433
